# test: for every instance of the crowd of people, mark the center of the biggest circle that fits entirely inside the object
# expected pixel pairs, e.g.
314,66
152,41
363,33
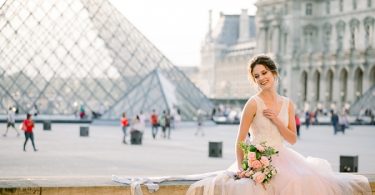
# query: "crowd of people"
166,121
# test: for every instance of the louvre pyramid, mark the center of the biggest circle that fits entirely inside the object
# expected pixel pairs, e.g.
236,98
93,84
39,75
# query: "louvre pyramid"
59,55
366,101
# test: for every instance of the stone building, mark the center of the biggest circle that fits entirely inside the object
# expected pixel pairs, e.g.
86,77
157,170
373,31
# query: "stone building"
224,56
325,49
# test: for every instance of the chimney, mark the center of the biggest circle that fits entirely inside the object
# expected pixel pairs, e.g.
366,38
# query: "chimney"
243,26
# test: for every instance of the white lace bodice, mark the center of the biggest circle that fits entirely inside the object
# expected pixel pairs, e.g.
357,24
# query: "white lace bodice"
262,129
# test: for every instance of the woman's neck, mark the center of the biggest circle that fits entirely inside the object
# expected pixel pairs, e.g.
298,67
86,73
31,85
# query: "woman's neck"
270,94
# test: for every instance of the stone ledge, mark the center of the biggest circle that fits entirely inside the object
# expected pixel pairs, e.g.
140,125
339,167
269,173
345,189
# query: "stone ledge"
92,186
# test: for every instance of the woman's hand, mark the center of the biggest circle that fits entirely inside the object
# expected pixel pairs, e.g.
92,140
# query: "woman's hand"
270,114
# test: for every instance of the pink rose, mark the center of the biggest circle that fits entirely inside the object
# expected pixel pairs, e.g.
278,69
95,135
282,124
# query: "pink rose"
256,164
251,156
260,148
264,160
259,177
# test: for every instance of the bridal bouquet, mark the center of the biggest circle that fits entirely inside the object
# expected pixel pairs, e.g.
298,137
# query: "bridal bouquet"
257,162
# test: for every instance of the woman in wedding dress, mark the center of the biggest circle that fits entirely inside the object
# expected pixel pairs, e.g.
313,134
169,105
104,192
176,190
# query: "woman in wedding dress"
270,117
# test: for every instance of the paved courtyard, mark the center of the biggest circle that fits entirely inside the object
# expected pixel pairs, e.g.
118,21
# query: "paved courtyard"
62,152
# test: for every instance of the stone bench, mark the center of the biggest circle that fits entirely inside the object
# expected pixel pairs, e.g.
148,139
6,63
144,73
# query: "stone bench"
92,186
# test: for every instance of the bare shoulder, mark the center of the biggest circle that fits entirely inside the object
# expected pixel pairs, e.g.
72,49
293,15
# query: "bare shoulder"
250,106
290,103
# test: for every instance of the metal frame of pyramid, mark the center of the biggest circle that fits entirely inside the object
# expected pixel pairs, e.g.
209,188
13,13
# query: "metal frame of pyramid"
59,55
366,101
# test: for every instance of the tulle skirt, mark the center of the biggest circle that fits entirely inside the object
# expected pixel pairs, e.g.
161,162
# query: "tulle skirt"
296,175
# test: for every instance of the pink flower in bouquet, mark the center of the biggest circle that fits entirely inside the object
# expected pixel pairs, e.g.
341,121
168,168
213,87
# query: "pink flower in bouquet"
256,164
260,148
251,156
259,177
264,160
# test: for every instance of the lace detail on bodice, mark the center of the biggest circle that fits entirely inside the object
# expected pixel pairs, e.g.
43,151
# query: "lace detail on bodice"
262,129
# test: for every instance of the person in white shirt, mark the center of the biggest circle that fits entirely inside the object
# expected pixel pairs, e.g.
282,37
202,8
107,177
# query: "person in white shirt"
11,121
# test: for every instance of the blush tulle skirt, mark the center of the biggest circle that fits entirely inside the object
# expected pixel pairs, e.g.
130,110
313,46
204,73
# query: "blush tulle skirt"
296,175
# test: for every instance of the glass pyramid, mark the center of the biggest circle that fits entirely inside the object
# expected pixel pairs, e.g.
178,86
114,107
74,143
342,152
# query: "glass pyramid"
59,55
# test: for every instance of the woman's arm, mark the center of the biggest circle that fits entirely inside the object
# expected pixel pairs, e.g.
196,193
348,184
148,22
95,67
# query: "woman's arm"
289,132
247,117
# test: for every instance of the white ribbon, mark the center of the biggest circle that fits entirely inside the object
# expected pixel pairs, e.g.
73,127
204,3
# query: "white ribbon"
152,183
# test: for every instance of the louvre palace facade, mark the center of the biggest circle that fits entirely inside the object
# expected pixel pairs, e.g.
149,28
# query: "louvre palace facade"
325,49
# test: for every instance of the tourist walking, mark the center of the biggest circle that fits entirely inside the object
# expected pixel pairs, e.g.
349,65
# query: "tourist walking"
154,124
124,125
28,126
11,121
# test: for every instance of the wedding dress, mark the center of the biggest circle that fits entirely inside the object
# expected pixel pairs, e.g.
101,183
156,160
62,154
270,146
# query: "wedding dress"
296,174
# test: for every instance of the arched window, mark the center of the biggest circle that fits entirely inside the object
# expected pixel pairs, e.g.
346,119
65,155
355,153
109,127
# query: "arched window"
358,79
343,84
329,80
317,85
309,9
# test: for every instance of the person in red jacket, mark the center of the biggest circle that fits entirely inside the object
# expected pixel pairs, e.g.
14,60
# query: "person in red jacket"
124,125
27,126
154,123
298,124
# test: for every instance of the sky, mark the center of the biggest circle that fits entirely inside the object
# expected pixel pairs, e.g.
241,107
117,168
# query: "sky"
177,28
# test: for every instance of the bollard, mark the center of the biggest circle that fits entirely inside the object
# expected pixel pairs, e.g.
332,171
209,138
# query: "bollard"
136,137
47,125
348,163
215,149
84,131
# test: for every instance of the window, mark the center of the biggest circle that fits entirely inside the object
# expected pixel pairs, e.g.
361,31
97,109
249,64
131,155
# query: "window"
340,42
369,25
367,35
369,3
352,39
310,33
308,9
354,26
285,43
341,5
286,9
354,4
328,7
326,37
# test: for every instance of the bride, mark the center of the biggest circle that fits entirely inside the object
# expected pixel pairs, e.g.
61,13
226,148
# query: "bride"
270,117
